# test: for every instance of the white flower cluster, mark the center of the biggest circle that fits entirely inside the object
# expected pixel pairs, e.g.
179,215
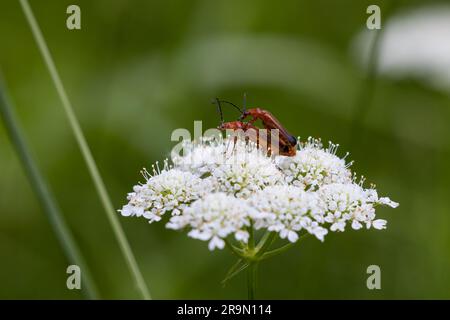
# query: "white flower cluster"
221,188
215,217
313,166
167,190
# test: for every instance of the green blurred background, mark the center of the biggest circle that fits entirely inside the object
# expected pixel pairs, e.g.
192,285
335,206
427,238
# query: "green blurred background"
139,69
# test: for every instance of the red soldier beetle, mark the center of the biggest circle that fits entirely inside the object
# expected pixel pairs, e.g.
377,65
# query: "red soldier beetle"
287,142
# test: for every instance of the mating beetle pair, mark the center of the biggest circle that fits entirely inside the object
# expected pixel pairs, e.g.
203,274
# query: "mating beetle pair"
286,142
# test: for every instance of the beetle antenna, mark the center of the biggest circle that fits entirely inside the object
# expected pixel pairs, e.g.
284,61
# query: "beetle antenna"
232,104
216,101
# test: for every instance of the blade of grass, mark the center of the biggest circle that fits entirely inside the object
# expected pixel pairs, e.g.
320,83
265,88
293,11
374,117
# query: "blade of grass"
44,194
364,100
86,152
366,93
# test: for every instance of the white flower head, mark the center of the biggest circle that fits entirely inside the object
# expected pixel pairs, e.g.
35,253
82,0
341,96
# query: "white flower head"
236,166
203,156
214,218
314,166
220,188
351,203
287,210
243,174
168,190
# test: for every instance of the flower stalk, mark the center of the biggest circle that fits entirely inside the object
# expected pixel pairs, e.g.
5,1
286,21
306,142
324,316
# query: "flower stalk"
251,272
250,256
251,279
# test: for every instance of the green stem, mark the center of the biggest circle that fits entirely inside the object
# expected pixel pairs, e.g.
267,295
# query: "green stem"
251,255
251,271
238,252
251,279
277,251
264,243
251,238
44,195
86,153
